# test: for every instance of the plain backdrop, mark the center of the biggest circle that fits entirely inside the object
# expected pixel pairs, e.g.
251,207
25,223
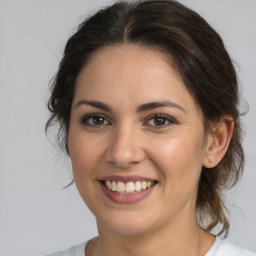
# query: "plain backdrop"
37,216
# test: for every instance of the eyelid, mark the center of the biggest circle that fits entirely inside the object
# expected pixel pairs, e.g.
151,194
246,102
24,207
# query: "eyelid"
171,120
86,117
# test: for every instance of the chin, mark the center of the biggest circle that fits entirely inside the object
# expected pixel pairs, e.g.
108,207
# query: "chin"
126,224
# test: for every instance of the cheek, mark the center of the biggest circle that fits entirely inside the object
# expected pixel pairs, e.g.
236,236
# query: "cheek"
179,159
84,153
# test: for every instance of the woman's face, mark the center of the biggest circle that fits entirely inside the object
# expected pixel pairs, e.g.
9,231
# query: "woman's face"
135,129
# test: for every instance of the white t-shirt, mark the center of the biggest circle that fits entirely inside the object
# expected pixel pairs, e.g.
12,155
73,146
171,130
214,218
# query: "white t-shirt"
219,248
225,248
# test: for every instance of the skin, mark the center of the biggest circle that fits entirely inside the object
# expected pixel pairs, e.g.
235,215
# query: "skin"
128,142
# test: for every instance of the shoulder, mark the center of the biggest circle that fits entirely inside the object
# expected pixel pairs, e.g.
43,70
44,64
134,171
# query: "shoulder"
225,248
77,250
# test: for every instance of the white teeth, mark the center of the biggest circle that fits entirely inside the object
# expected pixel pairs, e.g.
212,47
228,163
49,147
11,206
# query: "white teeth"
113,186
129,187
108,184
120,187
138,186
144,184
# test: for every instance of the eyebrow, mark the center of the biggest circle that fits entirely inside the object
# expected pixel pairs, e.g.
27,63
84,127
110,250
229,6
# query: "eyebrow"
139,109
153,105
96,104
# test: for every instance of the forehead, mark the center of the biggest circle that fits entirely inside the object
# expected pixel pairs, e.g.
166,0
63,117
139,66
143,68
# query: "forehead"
126,60
131,73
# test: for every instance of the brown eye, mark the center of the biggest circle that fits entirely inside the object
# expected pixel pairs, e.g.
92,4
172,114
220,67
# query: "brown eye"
160,121
94,120
98,120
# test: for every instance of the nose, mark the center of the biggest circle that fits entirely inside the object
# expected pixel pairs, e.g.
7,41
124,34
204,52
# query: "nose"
125,148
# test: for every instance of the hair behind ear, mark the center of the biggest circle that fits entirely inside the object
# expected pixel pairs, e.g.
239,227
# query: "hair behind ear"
222,172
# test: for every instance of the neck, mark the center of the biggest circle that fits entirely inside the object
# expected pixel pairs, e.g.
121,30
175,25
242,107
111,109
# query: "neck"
182,239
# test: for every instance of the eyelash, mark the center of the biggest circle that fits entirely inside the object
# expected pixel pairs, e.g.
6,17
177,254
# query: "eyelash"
165,118
85,120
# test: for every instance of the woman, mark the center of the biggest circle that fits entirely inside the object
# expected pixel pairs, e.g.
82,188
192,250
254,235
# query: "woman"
146,97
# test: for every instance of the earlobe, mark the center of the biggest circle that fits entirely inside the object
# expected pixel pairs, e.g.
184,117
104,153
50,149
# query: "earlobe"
218,141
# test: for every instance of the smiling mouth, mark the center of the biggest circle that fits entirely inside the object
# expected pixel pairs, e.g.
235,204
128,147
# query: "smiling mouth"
130,187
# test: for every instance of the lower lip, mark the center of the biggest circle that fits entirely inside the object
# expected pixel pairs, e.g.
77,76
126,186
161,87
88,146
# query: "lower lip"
126,198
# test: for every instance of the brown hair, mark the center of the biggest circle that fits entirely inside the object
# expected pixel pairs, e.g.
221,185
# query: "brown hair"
202,61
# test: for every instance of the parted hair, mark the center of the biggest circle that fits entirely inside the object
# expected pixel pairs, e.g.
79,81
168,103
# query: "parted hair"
199,56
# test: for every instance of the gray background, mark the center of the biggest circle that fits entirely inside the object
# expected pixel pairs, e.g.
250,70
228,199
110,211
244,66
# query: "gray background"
36,216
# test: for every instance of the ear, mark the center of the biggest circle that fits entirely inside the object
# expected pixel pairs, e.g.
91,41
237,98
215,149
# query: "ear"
218,141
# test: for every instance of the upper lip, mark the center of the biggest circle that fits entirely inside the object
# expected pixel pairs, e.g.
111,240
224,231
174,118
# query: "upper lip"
125,179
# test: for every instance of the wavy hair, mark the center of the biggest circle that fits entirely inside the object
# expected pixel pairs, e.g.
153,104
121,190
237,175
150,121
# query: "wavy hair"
200,58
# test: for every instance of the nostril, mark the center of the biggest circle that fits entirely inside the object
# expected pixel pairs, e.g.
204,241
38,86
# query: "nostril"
122,164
